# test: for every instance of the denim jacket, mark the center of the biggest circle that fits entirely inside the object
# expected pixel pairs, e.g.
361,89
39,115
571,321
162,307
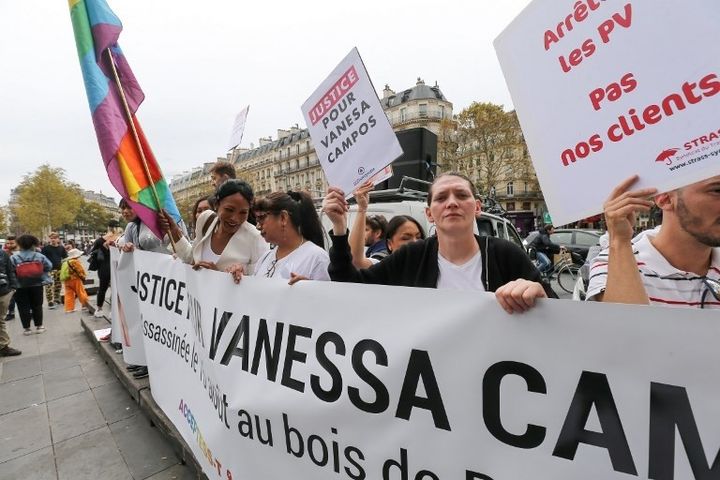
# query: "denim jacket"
29,255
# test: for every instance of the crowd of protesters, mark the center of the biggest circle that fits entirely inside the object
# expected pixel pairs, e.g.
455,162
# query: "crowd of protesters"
280,236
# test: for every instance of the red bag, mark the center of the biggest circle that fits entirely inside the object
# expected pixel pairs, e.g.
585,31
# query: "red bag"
29,270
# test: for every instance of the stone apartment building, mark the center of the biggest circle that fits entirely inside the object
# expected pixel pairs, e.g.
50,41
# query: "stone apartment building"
289,162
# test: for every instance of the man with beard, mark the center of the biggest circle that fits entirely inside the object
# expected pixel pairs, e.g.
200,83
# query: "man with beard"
677,265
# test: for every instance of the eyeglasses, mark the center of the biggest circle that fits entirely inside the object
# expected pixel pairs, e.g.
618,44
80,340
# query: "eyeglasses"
260,217
713,286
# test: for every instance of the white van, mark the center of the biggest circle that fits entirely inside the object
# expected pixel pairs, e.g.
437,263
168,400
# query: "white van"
391,203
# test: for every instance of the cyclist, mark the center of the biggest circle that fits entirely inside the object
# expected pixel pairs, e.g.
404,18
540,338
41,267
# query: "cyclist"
545,248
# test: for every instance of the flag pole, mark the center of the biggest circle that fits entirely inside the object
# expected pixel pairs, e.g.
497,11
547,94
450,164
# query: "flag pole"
136,137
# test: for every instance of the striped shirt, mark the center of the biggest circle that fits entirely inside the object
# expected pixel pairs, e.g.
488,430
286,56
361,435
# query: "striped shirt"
665,285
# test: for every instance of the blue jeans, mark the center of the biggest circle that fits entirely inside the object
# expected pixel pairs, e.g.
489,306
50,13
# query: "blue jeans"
544,263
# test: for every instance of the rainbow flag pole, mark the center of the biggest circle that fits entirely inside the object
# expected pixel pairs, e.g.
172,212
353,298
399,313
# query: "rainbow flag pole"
136,137
126,153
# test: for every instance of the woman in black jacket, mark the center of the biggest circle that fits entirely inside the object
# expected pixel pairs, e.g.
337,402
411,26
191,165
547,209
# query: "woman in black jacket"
454,259
101,252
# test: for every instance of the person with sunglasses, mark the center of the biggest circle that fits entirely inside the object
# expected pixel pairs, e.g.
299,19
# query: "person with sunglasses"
290,222
675,266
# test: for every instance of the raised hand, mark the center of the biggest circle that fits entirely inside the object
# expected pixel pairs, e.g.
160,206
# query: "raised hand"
335,207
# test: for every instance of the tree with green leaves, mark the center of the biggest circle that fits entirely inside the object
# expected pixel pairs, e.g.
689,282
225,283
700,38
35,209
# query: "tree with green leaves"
92,216
46,200
3,221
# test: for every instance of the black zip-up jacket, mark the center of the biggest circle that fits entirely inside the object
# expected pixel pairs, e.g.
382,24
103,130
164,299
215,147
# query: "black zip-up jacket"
7,273
416,265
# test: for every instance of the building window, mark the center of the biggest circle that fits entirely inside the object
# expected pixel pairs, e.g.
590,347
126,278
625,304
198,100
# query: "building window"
526,187
510,206
526,206
442,111
423,109
403,114
510,189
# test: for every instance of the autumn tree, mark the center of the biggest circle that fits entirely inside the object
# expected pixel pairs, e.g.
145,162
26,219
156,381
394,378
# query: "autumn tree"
92,216
46,200
3,221
490,148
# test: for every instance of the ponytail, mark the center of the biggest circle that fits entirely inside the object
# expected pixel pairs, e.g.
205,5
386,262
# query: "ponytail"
301,211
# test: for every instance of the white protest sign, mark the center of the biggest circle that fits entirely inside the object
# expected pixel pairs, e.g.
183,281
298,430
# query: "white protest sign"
126,319
351,134
605,90
238,128
433,384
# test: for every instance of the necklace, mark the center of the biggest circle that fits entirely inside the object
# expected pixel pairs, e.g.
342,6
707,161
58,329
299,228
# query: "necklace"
271,269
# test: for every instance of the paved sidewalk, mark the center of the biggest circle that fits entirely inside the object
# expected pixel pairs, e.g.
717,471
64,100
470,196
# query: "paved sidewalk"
64,415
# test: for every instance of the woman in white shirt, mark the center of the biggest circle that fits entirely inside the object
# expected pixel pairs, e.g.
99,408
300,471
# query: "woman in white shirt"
224,240
289,221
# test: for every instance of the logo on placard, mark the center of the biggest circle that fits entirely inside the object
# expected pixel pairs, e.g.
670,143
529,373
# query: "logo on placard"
667,155
361,171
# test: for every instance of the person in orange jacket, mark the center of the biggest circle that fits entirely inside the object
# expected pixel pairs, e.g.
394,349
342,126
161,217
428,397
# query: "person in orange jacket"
73,275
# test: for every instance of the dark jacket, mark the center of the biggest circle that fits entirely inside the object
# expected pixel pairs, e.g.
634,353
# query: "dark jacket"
7,274
416,265
542,243
55,254
102,255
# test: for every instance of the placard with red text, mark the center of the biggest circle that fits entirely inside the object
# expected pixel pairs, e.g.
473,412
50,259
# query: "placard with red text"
608,89
352,136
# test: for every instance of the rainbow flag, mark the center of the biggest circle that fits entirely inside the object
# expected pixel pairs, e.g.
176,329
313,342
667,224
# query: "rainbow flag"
97,30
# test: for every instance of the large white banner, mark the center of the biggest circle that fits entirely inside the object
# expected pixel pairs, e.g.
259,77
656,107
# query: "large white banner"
326,381
349,129
606,89
126,318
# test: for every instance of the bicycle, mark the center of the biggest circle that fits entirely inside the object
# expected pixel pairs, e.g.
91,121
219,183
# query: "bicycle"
565,271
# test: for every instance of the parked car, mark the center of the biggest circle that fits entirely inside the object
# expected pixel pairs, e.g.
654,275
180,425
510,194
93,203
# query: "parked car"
576,240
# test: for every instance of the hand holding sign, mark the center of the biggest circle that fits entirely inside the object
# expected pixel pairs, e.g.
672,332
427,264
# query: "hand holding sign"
352,136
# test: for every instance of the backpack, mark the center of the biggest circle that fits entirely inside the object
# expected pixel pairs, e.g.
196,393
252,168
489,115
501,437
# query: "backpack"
64,271
93,261
30,271
67,271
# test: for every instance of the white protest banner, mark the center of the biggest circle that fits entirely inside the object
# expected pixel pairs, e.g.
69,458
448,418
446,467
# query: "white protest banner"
238,128
325,381
351,134
126,319
605,90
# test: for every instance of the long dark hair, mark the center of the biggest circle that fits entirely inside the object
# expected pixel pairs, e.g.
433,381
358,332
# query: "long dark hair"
400,220
301,211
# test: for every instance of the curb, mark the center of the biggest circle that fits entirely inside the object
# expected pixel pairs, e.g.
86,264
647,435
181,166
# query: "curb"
139,390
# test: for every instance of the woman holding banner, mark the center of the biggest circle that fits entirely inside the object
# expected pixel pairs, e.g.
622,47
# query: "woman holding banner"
224,240
290,222
453,259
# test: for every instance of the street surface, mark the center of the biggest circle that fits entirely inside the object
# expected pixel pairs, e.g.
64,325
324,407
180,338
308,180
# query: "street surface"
64,415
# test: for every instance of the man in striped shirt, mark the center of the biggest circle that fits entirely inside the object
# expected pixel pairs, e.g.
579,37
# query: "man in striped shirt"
677,265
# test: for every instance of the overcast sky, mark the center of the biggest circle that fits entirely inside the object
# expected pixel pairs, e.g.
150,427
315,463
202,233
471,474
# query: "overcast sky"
199,63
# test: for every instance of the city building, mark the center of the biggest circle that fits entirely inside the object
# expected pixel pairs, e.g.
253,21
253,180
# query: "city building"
290,162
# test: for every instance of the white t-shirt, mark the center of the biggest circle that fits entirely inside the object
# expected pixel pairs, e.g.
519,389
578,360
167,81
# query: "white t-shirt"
466,277
664,284
307,260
